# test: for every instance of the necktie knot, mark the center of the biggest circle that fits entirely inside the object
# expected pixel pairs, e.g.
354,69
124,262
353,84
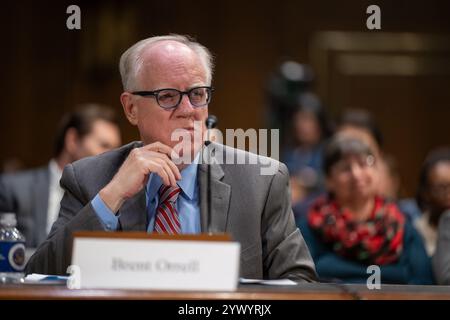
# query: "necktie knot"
168,194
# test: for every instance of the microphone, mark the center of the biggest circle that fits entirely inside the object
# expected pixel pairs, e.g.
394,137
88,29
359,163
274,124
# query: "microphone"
211,123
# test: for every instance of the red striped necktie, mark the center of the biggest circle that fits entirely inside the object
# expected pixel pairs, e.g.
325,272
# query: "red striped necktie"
167,220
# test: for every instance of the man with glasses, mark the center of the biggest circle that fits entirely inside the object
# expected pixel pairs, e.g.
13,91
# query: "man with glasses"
143,186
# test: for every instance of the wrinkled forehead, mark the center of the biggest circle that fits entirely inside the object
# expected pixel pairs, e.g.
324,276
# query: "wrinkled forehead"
166,50
166,55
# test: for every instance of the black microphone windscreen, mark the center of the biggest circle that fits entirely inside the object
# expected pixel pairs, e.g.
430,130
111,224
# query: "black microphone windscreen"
211,121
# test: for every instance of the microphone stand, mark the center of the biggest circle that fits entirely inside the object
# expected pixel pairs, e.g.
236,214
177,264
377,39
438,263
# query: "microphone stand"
209,200
211,122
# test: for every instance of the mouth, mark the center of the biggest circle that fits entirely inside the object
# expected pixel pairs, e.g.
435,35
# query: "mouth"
188,127
359,187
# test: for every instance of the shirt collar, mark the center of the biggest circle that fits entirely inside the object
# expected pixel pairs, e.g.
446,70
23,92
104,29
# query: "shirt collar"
187,183
55,171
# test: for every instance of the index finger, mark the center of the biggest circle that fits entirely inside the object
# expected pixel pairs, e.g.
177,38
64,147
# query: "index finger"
159,147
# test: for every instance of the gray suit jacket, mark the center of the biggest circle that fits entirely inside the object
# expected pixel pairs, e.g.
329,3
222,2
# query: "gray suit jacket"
255,209
441,258
26,194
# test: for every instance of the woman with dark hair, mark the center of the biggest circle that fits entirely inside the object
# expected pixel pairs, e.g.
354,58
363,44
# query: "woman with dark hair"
352,227
354,119
433,195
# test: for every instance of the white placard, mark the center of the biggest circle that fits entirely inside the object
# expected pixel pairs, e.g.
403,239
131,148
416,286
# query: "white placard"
156,264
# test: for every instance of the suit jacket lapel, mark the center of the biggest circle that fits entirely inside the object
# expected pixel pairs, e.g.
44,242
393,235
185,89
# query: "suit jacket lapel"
133,213
220,198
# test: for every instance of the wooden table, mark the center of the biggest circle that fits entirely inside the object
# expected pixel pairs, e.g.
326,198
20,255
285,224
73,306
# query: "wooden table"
245,292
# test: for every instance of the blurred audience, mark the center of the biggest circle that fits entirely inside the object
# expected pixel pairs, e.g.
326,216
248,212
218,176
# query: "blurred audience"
360,124
433,195
390,182
310,129
11,165
34,195
4,205
291,101
288,80
441,259
354,226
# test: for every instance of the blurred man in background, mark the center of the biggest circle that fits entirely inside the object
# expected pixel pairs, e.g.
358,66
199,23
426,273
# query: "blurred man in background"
34,195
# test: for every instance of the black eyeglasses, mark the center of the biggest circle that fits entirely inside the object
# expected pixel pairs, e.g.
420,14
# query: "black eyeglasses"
171,98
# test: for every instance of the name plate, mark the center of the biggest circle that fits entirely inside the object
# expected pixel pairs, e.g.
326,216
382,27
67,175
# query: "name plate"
132,260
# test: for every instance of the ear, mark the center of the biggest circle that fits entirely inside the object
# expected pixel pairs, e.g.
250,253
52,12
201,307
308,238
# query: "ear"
129,107
71,141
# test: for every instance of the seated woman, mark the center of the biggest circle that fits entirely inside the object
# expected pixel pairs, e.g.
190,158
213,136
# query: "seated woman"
352,227
433,195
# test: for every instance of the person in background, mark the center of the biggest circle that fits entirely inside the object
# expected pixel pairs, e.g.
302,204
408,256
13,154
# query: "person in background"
441,258
4,203
360,124
12,165
390,185
352,226
433,195
310,128
34,195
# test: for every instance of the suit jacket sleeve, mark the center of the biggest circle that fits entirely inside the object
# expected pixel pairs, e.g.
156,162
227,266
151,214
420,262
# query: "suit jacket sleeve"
285,253
76,213
441,259
6,202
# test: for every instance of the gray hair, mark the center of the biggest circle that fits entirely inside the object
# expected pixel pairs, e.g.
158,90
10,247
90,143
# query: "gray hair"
131,62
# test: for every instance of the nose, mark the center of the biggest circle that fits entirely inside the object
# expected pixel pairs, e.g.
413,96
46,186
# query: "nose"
185,105
356,171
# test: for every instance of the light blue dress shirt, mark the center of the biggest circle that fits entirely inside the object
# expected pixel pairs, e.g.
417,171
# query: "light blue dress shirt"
187,202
